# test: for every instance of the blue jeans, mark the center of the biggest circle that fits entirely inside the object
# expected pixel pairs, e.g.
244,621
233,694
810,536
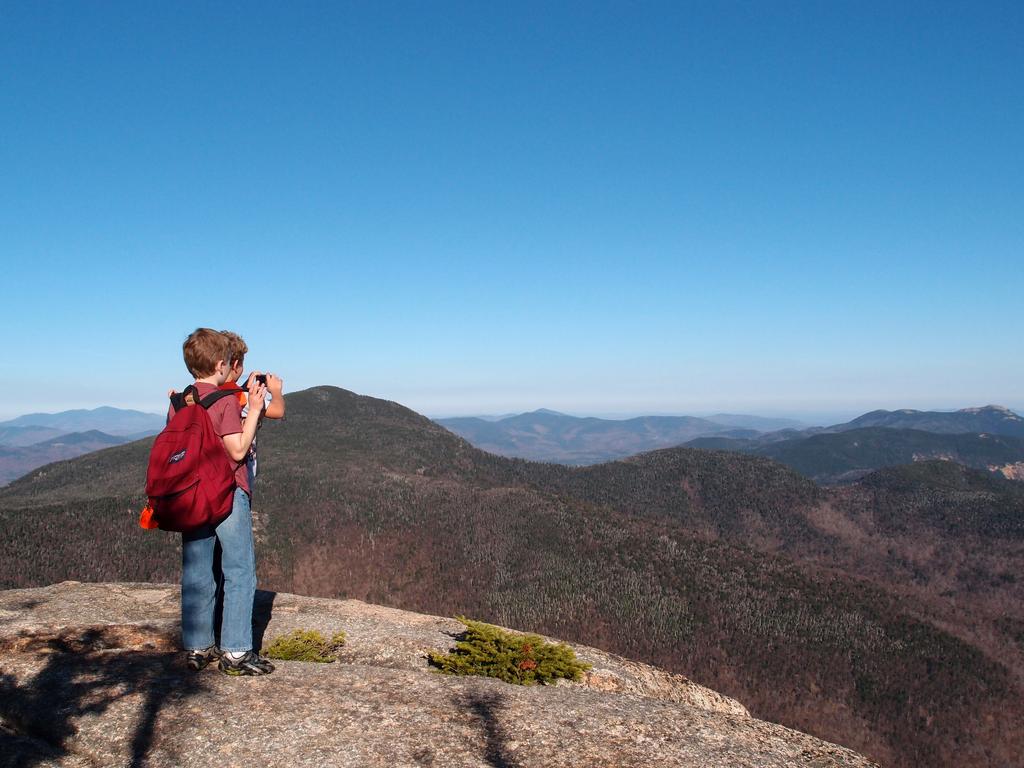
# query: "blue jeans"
199,583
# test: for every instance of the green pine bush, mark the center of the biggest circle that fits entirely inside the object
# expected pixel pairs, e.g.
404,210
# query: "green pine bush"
490,651
307,645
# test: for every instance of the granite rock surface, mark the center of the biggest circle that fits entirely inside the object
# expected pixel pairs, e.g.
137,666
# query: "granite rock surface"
91,675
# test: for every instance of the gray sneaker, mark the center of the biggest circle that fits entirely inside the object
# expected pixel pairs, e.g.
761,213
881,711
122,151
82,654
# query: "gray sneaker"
250,664
197,660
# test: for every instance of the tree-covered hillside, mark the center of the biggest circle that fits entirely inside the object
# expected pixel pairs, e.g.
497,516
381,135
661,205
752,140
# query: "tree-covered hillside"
834,457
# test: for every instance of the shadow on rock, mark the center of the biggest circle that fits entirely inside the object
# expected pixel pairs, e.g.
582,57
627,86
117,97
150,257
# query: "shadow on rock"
85,672
262,610
486,707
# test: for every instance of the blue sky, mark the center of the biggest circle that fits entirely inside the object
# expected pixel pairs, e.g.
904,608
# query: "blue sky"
782,208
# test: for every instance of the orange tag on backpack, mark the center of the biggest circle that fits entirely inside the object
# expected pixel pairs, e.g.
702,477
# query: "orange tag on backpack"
147,519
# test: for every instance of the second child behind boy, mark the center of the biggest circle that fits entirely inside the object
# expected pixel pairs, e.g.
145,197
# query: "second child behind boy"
273,403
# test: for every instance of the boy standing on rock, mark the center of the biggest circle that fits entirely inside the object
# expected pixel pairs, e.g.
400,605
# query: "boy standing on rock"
207,357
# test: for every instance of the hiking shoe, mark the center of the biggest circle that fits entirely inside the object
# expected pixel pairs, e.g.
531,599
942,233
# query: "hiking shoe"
250,664
197,660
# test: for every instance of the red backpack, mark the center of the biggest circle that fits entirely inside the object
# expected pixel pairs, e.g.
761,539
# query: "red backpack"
191,480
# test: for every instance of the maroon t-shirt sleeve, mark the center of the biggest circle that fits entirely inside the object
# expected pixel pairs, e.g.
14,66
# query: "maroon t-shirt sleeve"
226,416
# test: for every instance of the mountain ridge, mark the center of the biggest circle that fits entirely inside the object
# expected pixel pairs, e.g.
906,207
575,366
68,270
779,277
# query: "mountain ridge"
545,435
16,462
113,421
847,455
996,419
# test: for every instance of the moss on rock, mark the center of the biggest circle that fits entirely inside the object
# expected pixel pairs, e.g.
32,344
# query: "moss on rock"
307,645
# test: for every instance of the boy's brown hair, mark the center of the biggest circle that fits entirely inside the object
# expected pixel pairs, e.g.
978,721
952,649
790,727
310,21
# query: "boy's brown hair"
236,347
203,349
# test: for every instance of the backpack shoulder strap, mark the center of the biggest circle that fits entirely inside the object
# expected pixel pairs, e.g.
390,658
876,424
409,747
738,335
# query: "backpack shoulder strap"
188,396
208,401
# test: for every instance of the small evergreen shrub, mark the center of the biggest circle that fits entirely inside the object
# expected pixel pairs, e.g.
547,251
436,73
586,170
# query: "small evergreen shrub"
307,645
490,651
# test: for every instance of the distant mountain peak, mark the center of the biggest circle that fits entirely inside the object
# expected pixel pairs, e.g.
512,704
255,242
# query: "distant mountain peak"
113,421
1000,409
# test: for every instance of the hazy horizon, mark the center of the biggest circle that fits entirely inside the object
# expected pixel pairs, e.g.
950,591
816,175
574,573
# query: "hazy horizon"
809,418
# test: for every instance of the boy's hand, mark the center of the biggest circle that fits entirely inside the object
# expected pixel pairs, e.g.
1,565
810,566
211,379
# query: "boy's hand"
257,394
276,408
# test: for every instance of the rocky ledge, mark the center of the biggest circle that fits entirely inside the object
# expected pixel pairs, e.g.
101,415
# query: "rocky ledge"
90,675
